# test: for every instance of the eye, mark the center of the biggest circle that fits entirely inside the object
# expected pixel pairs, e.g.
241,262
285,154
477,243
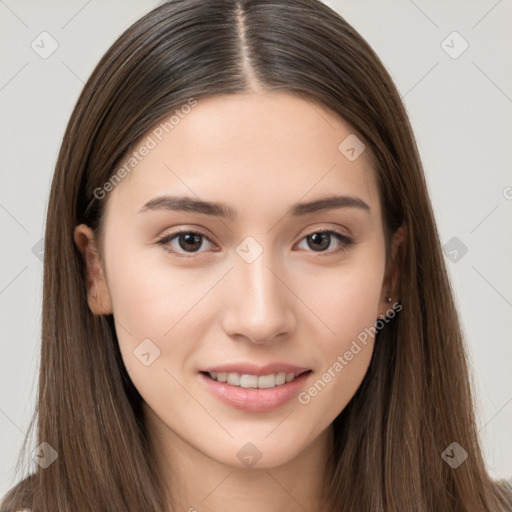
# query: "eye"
186,241
319,241
182,243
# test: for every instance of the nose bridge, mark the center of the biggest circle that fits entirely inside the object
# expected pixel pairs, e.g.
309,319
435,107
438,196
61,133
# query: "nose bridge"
260,307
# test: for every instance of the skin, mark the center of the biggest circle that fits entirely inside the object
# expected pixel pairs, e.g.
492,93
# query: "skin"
259,153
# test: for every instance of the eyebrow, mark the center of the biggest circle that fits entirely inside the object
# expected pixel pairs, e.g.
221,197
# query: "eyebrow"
190,204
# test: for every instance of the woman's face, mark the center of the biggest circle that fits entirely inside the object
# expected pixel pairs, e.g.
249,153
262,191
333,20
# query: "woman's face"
261,286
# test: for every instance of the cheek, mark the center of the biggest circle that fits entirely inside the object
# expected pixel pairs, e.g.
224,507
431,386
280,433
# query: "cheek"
141,300
148,295
346,299
147,306
348,307
154,307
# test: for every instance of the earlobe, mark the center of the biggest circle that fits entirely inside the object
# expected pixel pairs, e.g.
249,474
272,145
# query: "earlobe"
98,295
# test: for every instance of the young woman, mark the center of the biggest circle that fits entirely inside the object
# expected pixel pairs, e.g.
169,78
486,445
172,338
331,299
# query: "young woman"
246,305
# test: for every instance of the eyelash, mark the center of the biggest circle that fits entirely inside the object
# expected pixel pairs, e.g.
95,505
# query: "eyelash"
343,239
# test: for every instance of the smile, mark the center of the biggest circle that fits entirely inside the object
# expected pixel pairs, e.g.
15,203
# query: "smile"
254,381
255,393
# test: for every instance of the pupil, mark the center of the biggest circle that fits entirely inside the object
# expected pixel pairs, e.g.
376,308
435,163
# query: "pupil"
190,239
322,238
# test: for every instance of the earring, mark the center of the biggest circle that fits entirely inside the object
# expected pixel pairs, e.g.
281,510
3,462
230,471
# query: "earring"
383,315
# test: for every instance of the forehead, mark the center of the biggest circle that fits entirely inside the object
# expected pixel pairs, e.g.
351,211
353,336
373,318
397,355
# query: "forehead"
269,149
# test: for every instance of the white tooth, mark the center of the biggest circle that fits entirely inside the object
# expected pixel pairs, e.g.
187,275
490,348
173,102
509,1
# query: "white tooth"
254,381
280,378
267,381
233,379
213,375
249,381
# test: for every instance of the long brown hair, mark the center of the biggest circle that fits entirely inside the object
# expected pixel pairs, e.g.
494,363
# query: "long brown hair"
415,399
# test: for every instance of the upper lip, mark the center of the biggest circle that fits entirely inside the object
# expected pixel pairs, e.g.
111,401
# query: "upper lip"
252,369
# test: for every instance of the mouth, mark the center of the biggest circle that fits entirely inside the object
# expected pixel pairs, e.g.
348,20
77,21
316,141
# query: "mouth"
249,381
254,393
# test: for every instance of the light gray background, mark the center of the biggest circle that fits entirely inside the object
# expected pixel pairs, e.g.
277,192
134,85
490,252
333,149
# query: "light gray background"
460,109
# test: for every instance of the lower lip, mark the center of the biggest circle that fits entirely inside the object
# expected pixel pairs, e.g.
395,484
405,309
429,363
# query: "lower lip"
255,399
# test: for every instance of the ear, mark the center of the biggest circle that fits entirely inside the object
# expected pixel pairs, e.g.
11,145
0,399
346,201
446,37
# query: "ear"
98,296
391,282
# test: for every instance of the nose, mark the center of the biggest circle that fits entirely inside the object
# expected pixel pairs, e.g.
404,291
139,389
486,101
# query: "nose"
260,306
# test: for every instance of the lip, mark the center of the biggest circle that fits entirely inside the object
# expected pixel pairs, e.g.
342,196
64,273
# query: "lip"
252,369
255,399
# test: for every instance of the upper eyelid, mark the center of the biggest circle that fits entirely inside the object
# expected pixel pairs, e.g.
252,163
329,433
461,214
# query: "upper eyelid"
165,239
174,234
199,232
